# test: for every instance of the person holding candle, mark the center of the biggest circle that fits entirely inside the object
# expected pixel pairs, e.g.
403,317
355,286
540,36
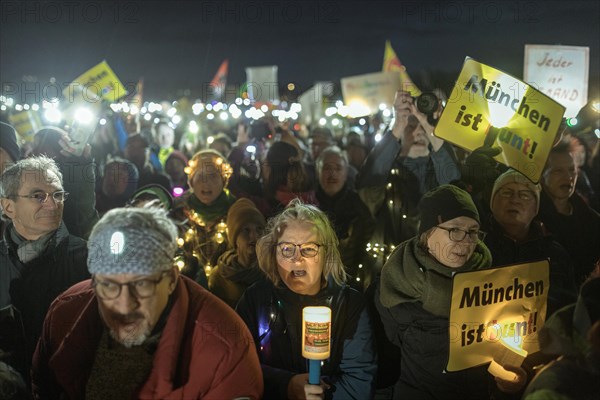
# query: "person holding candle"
299,255
414,294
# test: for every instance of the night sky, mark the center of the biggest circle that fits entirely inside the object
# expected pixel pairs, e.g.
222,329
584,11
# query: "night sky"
178,45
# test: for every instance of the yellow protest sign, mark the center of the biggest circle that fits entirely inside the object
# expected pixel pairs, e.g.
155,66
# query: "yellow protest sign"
490,107
98,82
488,306
26,123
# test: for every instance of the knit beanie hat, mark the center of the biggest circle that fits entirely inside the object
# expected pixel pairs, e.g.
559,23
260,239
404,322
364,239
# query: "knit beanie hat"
242,212
8,141
154,191
139,241
444,203
514,176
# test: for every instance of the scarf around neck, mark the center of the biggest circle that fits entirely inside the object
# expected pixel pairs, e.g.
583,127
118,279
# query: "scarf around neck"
216,210
411,274
28,250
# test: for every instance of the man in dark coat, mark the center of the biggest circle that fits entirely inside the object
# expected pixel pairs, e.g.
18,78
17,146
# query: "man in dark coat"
39,259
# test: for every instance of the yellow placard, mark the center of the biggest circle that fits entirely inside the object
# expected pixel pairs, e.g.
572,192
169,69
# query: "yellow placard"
26,123
490,107
507,303
98,82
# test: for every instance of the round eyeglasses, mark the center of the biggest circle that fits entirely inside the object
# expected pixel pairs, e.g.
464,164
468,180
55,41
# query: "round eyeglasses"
307,250
458,235
140,288
41,197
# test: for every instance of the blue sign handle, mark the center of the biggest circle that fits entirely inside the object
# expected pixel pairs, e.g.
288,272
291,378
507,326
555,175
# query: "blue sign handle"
314,372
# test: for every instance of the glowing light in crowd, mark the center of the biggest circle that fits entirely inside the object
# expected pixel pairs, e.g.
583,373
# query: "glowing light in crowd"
172,111
251,149
53,115
176,119
210,116
264,108
26,107
3,107
218,107
156,120
35,107
197,108
102,121
210,139
84,115
596,106
329,111
295,107
291,86
339,103
362,121
224,116
357,108
18,107
322,121
193,127
238,101
209,107
147,117
377,137
177,191
115,107
133,109
246,102
382,106
335,122
386,113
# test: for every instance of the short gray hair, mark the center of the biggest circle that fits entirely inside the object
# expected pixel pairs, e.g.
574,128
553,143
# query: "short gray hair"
335,150
10,181
132,241
11,178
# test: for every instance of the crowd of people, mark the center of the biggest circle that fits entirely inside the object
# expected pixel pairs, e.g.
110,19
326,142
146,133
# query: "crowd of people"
145,266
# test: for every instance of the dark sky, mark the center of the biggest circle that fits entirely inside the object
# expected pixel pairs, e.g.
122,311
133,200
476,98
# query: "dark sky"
178,45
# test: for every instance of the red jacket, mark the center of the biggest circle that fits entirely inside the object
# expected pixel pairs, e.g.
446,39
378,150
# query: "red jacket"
205,350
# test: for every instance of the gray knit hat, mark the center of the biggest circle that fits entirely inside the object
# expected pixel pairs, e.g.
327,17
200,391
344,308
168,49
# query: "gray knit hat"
514,176
444,203
140,241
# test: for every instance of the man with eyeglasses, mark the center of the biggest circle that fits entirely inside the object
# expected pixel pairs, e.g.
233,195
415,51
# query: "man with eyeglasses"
138,329
575,225
39,259
516,236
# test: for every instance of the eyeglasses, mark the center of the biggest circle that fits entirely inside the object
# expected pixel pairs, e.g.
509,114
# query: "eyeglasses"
42,197
525,195
307,250
140,288
458,235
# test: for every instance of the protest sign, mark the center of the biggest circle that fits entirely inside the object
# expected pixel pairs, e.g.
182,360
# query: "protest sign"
490,107
506,303
561,72
262,83
26,123
364,93
99,82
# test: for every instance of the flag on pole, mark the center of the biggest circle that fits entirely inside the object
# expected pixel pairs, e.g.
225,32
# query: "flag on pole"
220,80
138,96
392,63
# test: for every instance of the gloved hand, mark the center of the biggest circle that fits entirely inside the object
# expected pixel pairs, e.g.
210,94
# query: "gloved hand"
480,168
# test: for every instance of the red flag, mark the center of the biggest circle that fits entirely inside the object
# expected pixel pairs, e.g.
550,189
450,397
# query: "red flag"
220,80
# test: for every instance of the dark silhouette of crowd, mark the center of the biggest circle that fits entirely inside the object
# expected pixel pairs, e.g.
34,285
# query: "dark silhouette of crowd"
149,265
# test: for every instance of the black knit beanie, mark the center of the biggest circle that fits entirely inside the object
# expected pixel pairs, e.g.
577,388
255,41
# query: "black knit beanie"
444,203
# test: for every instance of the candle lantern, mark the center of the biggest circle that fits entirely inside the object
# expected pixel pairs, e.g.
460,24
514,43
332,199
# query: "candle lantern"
316,339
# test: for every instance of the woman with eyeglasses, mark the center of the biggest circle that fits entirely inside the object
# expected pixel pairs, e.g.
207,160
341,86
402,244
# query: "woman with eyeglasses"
300,258
414,293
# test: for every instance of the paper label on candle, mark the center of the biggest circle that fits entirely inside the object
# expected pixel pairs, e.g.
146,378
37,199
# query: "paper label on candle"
316,337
